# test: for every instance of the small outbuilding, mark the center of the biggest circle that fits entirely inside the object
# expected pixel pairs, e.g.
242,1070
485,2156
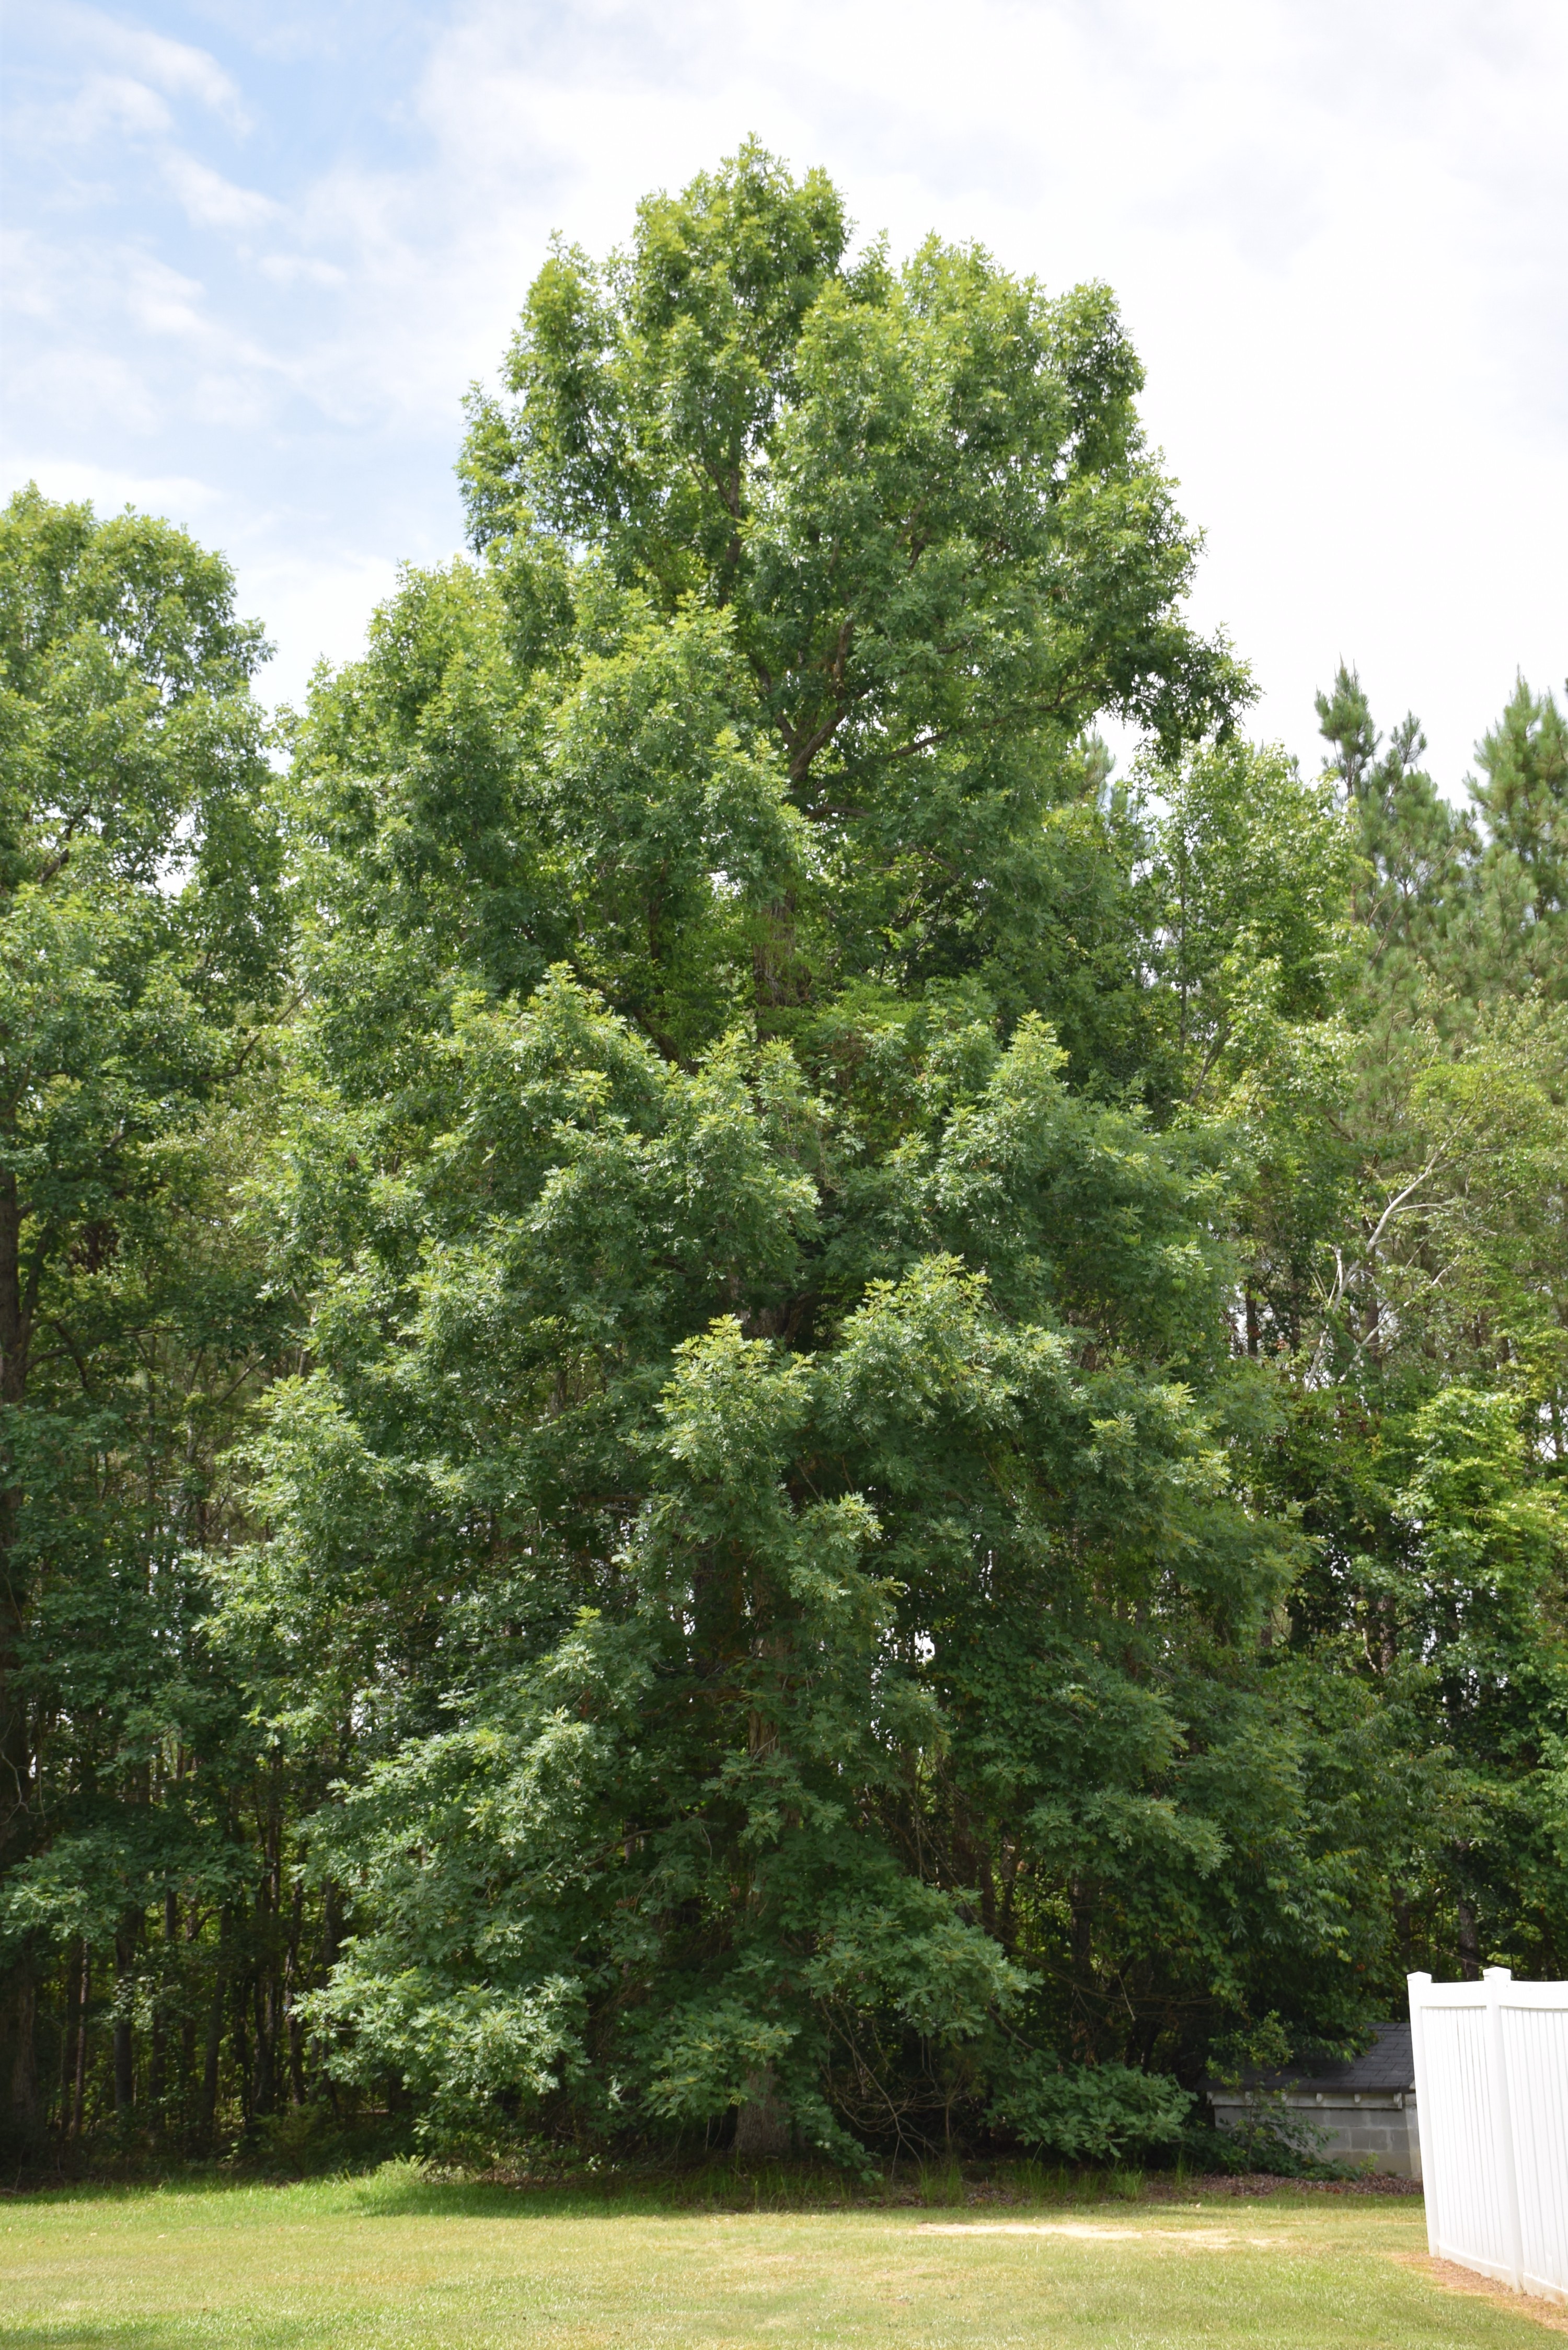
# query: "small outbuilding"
1365,2111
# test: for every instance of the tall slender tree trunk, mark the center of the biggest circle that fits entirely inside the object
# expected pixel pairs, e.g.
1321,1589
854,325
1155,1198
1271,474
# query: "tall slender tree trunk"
240,2042
15,1743
157,2063
331,1934
24,2058
125,1942
188,2080
156,2067
17,1758
207,2120
1081,1942
290,1996
78,2100
266,2043
71,2024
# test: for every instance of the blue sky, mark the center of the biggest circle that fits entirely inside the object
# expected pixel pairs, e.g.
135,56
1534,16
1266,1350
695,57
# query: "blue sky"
254,254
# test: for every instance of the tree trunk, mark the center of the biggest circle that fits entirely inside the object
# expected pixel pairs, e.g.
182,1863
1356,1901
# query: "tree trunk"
78,2100
762,2125
157,2070
16,1805
265,2020
70,2026
331,1928
15,1745
290,1995
16,1761
266,2002
207,2120
124,2050
1081,1941
23,2061
158,2065
239,2041
188,2082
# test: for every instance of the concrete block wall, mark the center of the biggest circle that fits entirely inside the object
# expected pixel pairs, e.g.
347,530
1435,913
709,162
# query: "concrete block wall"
1379,2130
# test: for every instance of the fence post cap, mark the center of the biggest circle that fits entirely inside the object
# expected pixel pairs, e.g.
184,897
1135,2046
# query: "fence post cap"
1496,1974
1424,1979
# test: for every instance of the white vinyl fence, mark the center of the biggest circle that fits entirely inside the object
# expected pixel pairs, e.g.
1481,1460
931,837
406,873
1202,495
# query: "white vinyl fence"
1492,2096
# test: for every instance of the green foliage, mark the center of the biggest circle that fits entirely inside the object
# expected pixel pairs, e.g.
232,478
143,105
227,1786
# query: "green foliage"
691,1658
141,937
1090,2113
923,503
1414,845
1523,802
742,1412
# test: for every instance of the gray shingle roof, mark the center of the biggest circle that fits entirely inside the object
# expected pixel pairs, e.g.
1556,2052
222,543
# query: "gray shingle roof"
1388,2064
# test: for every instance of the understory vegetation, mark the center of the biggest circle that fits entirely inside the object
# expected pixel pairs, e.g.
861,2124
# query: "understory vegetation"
745,1408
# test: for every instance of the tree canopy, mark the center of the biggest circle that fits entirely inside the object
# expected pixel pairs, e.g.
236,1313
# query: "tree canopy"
744,1408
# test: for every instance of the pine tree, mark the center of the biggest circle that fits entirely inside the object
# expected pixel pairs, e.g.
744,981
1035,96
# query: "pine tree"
1523,800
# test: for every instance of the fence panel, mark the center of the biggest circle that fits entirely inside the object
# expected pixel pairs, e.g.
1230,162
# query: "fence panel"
1536,2043
1492,2100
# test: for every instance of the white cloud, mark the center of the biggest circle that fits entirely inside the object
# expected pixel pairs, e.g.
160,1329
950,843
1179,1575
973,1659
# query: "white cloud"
212,201
1335,228
1326,222
162,301
172,66
32,286
179,495
298,269
315,609
111,102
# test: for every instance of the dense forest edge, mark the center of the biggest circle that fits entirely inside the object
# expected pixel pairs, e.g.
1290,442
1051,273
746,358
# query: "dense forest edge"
746,1408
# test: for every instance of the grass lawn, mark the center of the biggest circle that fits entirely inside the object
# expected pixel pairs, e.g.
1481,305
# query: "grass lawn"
397,2263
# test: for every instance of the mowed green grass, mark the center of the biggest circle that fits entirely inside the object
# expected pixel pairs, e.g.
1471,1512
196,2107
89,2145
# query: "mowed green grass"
402,2265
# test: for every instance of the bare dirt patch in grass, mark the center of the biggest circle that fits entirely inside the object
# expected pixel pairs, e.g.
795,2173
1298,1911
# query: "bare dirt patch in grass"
1454,2279
1096,2232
